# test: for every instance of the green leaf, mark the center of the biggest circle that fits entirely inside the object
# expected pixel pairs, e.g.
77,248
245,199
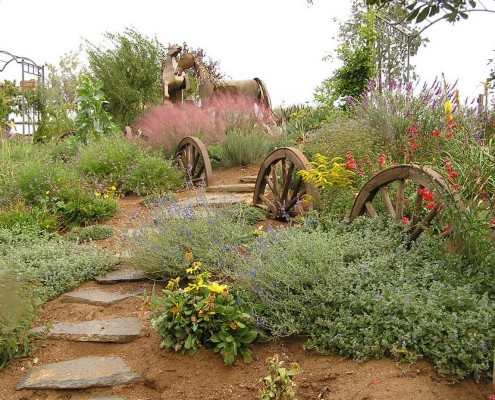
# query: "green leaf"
423,14
249,337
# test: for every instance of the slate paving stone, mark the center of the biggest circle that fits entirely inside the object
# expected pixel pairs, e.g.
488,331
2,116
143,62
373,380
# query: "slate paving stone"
82,373
97,297
117,330
215,200
106,398
238,187
248,179
121,275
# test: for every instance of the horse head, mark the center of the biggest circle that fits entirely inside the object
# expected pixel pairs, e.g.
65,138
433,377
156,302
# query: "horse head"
174,50
186,61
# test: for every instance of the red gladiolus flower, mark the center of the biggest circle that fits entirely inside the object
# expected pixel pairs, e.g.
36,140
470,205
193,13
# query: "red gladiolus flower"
449,135
453,175
351,164
414,130
431,205
414,145
426,194
436,133
406,220
382,159
456,187
411,140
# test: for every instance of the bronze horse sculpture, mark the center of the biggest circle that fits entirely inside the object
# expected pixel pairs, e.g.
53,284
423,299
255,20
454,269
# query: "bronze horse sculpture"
211,86
173,82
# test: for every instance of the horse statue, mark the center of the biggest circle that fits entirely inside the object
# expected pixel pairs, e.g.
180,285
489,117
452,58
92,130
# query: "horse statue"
173,82
210,86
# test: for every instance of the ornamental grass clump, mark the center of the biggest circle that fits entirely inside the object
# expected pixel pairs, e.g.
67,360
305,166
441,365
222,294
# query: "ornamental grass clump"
203,314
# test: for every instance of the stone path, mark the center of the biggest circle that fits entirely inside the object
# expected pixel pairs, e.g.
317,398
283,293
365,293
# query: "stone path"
109,371
91,371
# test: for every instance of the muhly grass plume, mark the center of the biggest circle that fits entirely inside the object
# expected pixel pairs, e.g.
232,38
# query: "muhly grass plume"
166,125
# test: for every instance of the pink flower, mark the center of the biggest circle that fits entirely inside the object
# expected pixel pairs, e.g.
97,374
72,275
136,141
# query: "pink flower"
406,220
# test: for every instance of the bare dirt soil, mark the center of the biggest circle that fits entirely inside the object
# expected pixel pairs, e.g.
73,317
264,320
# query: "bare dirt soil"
169,375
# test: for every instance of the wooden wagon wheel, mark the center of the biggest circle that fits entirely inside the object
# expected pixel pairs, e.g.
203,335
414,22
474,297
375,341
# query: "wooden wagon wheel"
408,193
193,158
279,188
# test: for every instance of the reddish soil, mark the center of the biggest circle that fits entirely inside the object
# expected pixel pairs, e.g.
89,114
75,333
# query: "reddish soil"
169,375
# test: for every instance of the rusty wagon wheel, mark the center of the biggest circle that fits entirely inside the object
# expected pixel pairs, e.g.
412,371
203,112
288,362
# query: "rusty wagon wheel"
192,157
279,188
408,193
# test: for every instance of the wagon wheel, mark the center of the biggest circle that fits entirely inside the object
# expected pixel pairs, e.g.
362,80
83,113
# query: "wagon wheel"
279,188
192,157
408,193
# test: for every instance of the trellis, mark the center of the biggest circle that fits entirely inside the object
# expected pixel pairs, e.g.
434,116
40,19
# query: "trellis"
28,67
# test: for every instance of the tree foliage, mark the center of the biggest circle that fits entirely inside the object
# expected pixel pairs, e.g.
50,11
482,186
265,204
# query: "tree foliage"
357,53
130,71
8,101
57,99
419,10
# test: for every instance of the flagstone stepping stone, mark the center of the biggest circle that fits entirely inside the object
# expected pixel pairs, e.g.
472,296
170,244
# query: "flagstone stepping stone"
118,330
97,297
217,201
106,398
239,187
248,179
82,373
121,275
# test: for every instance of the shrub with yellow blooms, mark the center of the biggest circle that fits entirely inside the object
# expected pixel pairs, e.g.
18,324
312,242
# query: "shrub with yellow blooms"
203,314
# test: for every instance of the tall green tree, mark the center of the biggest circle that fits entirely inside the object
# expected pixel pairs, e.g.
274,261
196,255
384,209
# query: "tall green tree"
357,54
130,70
56,101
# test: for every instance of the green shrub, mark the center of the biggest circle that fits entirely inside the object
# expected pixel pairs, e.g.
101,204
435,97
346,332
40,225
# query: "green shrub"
358,291
245,147
18,308
89,233
203,314
80,208
35,267
336,138
244,214
159,249
151,173
109,160
21,215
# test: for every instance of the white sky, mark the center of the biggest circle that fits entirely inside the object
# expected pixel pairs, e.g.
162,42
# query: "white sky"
280,41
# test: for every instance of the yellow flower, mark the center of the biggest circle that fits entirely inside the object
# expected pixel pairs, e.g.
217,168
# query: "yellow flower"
173,284
217,288
233,326
198,285
105,196
97,194
194,267
47,192
448,110
113,188
189,255
175,309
